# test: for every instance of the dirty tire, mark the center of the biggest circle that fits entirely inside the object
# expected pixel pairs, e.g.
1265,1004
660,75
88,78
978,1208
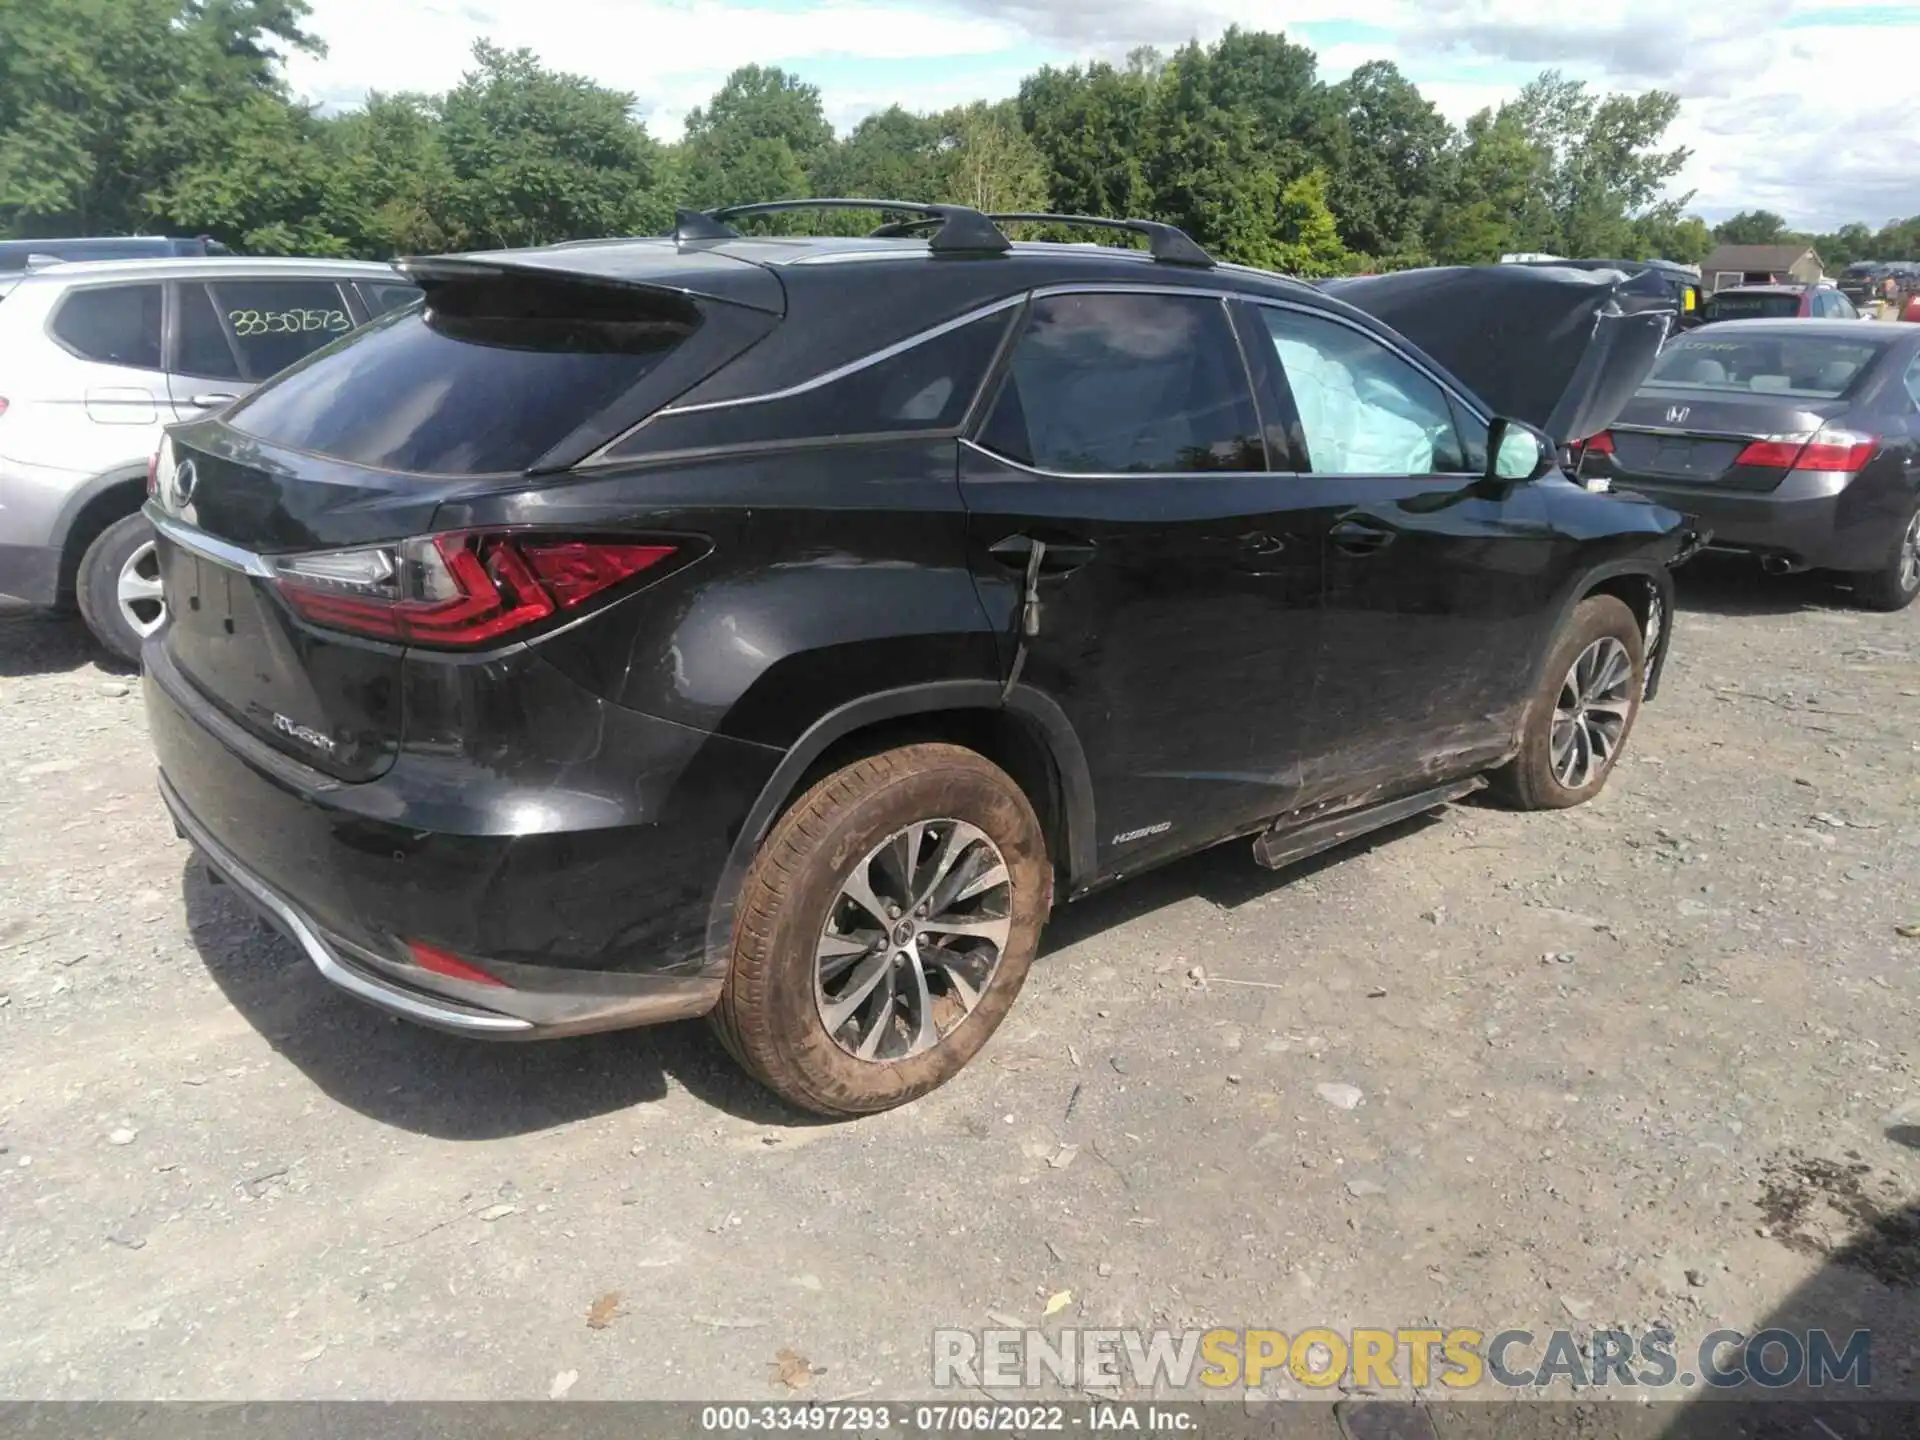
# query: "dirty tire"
1896,584
767,1016
96,586
1527,782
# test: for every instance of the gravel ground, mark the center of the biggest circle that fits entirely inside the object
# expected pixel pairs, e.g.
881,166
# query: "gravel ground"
1651,1060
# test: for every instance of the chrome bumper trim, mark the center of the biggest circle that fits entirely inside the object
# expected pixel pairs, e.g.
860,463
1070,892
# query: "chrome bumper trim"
387,997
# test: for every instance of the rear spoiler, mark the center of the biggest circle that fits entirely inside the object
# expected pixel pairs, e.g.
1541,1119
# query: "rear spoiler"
633,265
1559,348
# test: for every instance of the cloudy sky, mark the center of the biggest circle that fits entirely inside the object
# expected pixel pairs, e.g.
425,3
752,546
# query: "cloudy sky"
1803,107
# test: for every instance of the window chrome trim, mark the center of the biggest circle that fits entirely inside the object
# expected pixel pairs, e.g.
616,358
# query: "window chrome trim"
604,455
1130,475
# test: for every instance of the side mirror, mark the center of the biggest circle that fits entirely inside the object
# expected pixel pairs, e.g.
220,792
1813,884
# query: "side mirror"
1517,452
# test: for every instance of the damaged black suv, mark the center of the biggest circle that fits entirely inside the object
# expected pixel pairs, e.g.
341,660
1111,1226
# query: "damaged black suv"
775,628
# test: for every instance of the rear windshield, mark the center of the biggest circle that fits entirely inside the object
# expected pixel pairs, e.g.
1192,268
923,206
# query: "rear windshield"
1753,307
1812,365
485,378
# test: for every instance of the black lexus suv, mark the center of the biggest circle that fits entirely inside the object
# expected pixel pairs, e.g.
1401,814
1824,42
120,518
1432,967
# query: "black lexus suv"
774,628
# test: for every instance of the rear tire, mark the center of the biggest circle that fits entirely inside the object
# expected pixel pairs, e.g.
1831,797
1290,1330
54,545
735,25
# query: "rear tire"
1896,584
118,587
1579,719
805,948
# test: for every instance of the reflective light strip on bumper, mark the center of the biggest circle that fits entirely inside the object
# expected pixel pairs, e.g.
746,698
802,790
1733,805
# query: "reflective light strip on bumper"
391,998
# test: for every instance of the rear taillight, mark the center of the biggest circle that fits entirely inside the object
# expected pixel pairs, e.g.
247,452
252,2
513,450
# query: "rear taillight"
1842,450
457,590
1601,444
3,404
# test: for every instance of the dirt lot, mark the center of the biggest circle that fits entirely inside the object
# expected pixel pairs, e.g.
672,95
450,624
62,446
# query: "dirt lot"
1650,1060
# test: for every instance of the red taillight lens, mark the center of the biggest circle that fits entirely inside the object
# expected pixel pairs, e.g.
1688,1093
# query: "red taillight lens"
445,962
1842,450
1601,444
1771,454
3,404
456,590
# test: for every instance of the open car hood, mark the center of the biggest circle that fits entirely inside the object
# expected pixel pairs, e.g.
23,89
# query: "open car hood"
1559,348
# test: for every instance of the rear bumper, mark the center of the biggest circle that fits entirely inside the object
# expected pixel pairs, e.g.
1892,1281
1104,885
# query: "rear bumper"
1815,518
586,928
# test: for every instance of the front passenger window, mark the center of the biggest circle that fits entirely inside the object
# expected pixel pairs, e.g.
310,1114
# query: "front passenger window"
1363,410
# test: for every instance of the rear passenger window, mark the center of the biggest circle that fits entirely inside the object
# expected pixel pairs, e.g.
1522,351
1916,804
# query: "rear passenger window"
1110,384
113,324
203,347
929,386
382,298
276,322
1363,409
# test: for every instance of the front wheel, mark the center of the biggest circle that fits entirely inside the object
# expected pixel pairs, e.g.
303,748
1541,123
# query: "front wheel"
1896,583
885,928
1579,720
118,587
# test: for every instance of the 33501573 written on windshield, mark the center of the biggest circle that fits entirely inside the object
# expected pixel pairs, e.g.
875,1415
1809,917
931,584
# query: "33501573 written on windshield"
248,323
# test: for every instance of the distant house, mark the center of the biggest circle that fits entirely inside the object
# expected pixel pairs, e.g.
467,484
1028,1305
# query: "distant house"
1761,265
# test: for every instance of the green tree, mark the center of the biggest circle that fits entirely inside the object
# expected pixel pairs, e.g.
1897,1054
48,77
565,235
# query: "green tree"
894,155
987,161
1660,237
537,156
262,179
102,102
1751,227
391,191
1309,236
1207,169
1092,128
757,139
1602,167
1391,151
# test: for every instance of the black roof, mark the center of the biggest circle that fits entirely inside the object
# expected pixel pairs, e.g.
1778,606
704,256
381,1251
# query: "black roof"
853,295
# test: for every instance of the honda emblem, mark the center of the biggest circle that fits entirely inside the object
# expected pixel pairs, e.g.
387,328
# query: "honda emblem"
1677,414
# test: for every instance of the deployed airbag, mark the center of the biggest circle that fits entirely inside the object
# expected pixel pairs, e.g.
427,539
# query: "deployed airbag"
1561,349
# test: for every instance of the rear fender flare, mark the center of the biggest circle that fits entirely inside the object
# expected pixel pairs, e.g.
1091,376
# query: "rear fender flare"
1658,577
1070,762
77,504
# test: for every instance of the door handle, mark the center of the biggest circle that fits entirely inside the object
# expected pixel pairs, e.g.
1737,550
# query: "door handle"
1056,557
212,399
1360,537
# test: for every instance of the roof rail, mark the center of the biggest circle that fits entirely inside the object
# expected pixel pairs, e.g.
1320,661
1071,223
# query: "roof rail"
1166,243
961,229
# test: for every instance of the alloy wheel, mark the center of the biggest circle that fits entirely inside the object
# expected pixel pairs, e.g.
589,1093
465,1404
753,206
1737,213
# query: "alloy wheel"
912,940
1910,556
142,604
1590,717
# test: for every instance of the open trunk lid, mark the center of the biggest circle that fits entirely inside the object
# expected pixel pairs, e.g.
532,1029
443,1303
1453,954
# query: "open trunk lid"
1559,348
328,467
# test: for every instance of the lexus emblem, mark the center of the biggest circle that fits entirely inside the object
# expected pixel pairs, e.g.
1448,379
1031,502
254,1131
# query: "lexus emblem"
1677,414
184,479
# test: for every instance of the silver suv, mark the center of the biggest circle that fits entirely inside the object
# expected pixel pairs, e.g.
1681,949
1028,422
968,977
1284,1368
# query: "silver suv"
95,359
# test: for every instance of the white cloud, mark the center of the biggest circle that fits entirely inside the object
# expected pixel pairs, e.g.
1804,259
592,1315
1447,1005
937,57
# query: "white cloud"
671,53
1783,110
